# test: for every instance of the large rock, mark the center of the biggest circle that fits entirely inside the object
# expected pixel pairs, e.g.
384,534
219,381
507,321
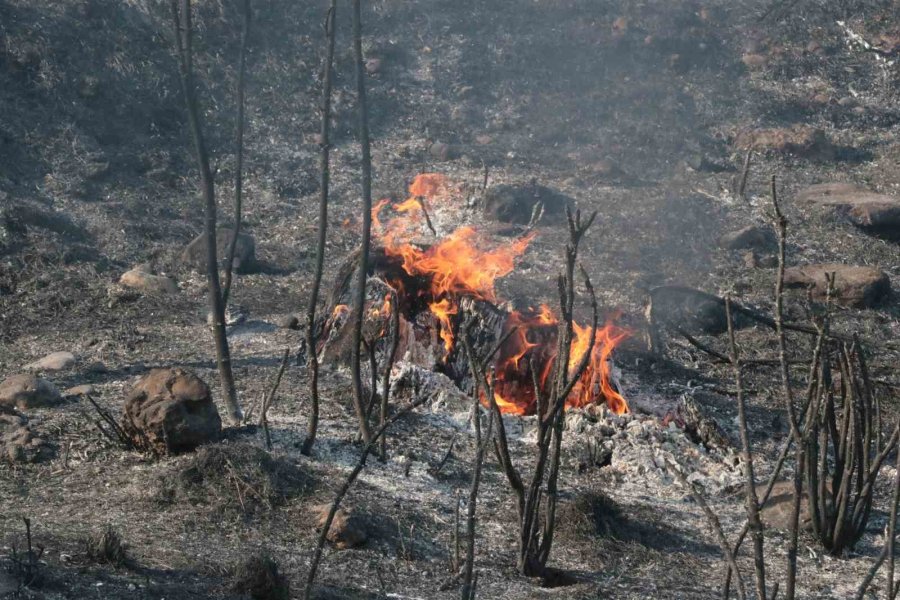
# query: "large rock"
869,210
859,287
26,391
170,411
141,279
515,203
194,254
55,361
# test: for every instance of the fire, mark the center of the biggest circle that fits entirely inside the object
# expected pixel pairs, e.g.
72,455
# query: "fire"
339,311
466,263
444,311
457,266
595,381
533,345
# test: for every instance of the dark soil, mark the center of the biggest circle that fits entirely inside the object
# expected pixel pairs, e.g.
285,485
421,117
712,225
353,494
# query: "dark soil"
633,109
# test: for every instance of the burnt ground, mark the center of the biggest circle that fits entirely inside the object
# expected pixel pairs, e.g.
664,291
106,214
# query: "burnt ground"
634,109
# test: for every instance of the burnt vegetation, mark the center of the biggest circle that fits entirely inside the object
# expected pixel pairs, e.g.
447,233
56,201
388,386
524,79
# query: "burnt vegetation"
449,300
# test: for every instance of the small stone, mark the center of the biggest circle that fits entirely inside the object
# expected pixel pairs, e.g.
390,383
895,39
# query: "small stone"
194,254
442,151
859,287
347,530
235,314
752,236
288,322
95,367
142,280
509,203
27,391
79,390
373,65
751,261
55,361
483,140
754,61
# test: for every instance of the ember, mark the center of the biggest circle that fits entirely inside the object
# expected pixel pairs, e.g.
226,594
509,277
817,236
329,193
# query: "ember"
465,264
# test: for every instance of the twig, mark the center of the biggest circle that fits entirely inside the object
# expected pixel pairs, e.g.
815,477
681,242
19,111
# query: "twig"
270,398
388,367
325,178
714,522
887,552
424,208
118,436
742,187
434,471
367,449
456,549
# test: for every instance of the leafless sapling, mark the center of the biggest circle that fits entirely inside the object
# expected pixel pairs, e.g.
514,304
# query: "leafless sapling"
888,551
537,517
716,525
324,182
359,297
184,46
483,389
238,154
750,496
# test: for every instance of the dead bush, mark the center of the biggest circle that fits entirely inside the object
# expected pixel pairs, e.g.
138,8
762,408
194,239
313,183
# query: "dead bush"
235,478
258,576
592,519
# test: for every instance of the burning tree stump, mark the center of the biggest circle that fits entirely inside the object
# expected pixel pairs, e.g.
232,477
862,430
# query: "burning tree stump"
430,322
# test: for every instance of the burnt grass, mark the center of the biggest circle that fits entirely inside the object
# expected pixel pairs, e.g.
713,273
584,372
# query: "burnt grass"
630,108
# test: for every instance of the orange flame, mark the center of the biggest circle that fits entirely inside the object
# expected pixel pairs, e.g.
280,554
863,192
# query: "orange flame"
466,264
444,310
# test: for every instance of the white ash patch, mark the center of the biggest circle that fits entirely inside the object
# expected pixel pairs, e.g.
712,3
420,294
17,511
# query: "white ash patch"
411,382
641,449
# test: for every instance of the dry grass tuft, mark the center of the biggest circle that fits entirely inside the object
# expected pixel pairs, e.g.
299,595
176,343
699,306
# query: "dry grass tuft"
258,576
106,548
237,478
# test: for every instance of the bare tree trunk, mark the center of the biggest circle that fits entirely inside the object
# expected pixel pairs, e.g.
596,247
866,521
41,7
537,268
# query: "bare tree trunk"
325,173
217,305
359,299
238,155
